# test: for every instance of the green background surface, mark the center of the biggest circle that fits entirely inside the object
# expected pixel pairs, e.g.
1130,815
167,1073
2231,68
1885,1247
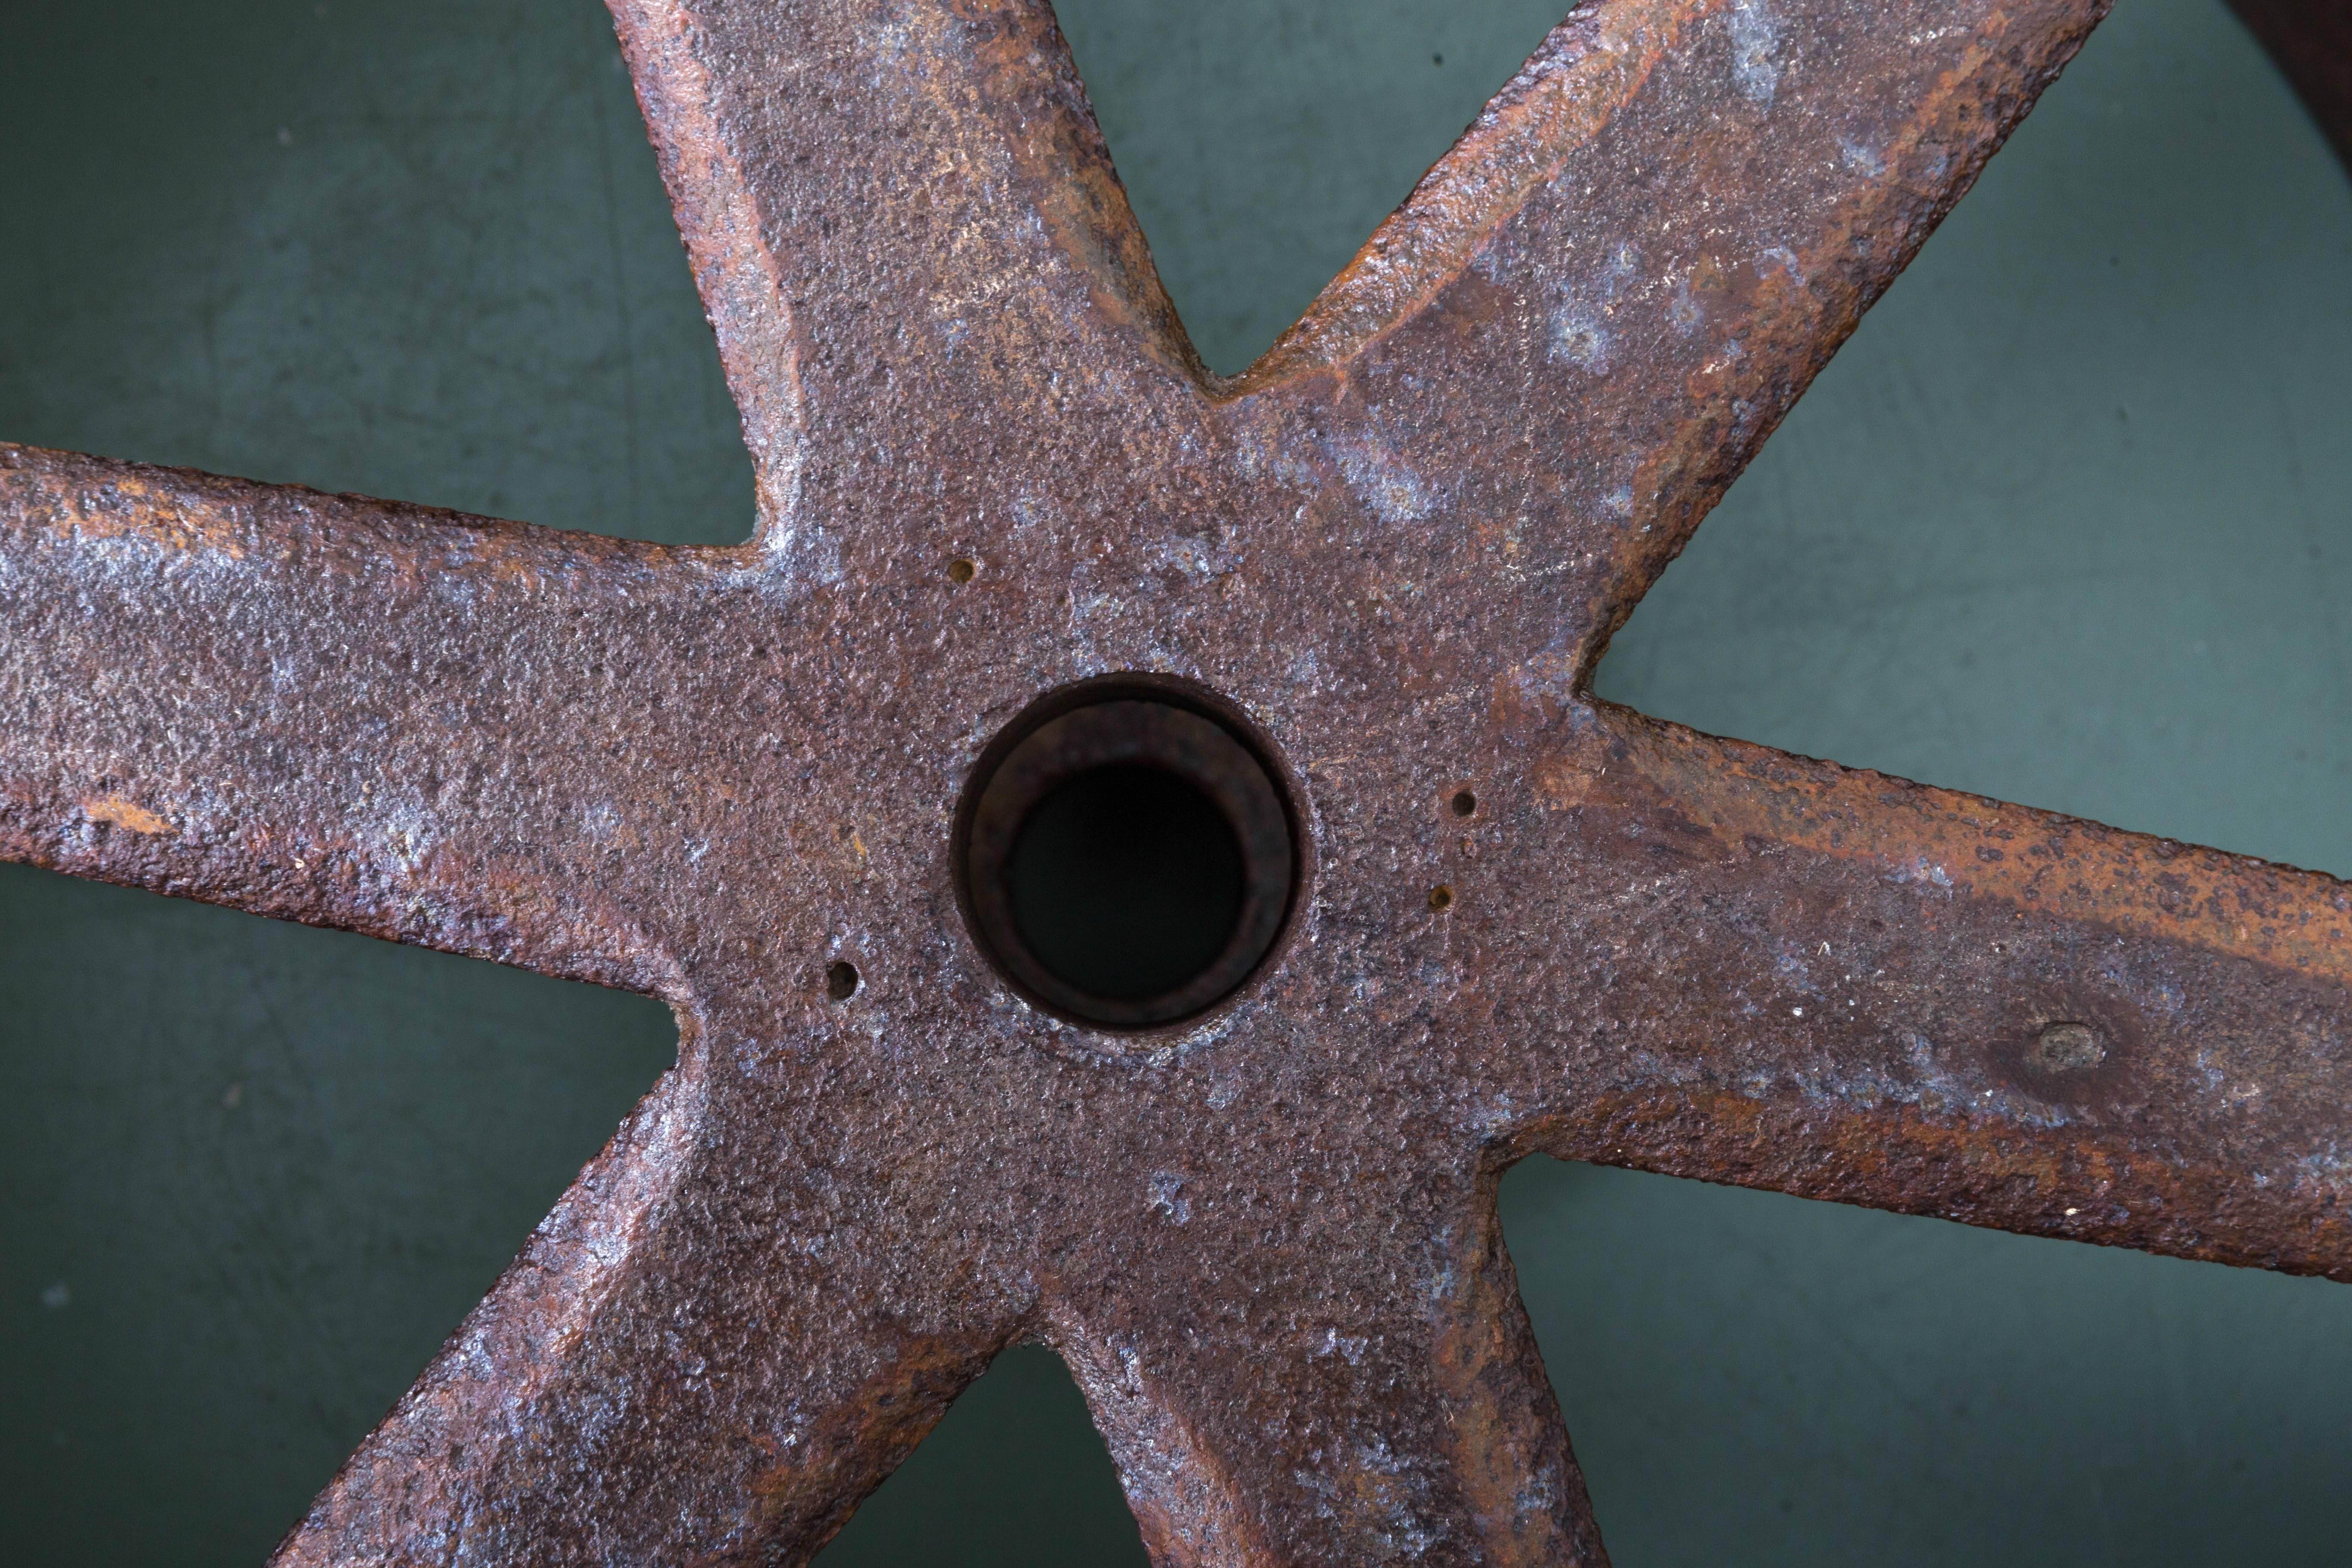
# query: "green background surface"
2066,523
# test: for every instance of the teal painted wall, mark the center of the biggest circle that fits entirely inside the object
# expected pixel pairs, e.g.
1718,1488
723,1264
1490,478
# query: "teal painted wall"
2067,522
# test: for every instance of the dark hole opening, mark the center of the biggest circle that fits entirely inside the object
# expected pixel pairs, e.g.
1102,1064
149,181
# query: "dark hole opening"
1126,881
841,981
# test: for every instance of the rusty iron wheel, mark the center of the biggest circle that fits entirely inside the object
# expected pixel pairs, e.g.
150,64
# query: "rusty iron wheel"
1013,535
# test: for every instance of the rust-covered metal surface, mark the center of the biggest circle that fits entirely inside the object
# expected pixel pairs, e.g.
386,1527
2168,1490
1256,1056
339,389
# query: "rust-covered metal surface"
990,468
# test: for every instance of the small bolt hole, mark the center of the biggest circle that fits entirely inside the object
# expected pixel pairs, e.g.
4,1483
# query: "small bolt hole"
1441,898
962,569
841,980
1464,803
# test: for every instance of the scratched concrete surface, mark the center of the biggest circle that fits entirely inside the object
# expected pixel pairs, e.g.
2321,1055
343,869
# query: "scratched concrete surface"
2067,523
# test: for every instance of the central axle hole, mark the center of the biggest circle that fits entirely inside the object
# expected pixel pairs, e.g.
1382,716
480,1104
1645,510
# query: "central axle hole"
1126,861
1126,881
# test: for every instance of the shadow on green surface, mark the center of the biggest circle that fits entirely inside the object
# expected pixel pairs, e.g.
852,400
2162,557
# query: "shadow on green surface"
1758,1380
254,1175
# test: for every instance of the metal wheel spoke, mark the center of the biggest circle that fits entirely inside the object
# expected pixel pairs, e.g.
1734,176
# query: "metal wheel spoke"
323,708
1593,311
908,236
1761,969
1325,1368
691,1361
1281,683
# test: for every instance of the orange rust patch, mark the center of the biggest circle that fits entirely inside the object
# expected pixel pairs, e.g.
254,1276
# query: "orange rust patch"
121,813
1564,782
94,499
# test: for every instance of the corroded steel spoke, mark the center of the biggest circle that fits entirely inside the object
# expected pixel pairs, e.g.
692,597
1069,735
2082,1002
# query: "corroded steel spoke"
686,1364
1729,962
1579,328
327,708
908,236
1377,568
1303,1342
1329,1365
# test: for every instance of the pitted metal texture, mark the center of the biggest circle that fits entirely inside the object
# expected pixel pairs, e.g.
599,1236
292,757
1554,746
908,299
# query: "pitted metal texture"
1261,1230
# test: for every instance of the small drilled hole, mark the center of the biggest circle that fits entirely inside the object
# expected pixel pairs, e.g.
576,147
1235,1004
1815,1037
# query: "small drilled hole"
1441,898
841,981
1464,803
962,569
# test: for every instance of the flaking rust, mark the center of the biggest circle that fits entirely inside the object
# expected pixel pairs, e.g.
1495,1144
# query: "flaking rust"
991,467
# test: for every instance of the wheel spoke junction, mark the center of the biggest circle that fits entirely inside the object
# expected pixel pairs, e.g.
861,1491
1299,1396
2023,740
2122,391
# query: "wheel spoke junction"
1023,565
686,1364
